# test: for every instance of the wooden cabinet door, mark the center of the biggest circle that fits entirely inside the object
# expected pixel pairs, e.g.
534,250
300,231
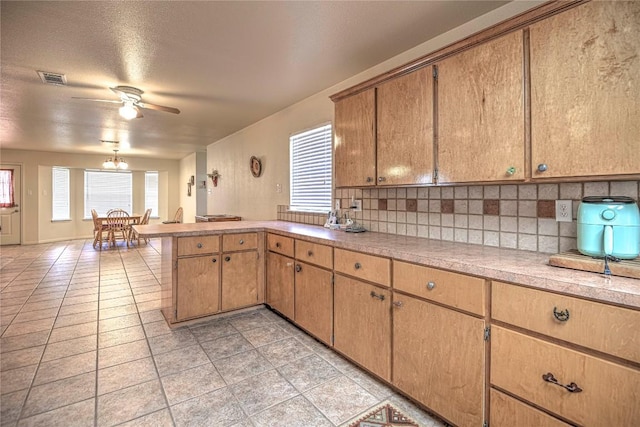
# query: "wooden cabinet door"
362,324
439,359
280,291
508,412
481,113
314,301
405,129
198,287
585,81
239,279
354,142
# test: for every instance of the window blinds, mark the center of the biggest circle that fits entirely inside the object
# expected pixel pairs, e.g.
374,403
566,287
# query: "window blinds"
311,170
151,192
60,200
104,191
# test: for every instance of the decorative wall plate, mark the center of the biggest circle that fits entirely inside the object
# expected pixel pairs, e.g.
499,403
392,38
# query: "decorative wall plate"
256,166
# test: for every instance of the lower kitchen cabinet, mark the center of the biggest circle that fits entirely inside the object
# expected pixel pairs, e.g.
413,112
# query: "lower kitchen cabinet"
362,324
239,279
198,293
280,284
314,301
439,359
509,412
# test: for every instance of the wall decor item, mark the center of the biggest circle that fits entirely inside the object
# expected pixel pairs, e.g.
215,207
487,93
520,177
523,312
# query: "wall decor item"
214,175
256,166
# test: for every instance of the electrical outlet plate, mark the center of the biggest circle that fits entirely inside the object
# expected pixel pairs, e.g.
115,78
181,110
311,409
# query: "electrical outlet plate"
564,211
357,206
337,204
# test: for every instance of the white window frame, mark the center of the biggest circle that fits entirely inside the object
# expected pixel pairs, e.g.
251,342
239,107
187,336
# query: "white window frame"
112,197
148,193
60,194
311,169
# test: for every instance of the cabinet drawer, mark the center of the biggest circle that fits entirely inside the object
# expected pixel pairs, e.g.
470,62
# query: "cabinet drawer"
281,244
198,245
239,241
508,412
457,290
609,395
602,327
367,267
314,253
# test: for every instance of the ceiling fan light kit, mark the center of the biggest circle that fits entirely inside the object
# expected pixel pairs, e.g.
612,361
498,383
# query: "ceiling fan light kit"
129,111
132,105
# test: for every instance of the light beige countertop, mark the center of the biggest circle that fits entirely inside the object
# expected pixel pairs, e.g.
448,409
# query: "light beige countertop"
514,266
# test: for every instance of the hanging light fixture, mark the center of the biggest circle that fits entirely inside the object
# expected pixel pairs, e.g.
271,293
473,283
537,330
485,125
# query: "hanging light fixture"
128,110
115,162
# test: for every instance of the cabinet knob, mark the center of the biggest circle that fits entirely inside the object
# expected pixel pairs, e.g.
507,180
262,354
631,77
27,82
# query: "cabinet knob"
542,167
214,260
398,304
357,266
227,258
298,268
431,285
199,245
369,179
511,171
381,179
310,253
561,316
277,244
241,242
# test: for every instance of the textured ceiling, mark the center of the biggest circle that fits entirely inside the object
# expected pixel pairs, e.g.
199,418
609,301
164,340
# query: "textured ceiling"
224,64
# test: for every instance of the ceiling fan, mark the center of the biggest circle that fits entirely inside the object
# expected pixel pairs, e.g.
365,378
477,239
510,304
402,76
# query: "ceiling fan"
131,100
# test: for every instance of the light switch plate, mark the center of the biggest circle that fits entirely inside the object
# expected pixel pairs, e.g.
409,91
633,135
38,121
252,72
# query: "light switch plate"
564,211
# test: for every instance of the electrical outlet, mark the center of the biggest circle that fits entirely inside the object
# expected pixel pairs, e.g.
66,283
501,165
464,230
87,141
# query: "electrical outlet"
357,206
564,211
337,204
278,188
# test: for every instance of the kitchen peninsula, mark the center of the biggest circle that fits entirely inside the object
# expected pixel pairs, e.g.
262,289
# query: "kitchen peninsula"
504,329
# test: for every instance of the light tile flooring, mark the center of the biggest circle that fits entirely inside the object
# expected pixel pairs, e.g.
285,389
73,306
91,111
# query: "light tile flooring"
84,344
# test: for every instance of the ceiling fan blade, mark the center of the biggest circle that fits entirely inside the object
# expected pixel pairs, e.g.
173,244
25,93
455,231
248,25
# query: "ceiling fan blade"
99,100
157,107
139,115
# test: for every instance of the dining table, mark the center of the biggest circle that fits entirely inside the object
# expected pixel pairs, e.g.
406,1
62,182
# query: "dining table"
129,220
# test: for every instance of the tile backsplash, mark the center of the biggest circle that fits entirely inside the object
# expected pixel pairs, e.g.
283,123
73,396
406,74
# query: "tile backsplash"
518,216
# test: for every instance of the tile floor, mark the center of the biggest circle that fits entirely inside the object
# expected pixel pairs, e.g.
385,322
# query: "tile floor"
83,344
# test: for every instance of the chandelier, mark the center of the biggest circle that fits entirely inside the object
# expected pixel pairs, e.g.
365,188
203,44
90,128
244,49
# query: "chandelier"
115,162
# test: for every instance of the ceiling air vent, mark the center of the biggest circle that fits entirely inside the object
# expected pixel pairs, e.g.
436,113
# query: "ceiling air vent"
52,78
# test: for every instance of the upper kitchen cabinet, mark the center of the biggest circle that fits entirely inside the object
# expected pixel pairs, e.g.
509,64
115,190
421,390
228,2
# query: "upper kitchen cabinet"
405,129
355,145
585,85
481,113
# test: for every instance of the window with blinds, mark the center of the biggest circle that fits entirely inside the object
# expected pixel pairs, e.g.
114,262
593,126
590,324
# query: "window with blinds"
60,195
151,192
311,170
104,191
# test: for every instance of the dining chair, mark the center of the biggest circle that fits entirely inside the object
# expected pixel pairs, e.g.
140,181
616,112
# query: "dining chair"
177,217
143,221
118,224
98,230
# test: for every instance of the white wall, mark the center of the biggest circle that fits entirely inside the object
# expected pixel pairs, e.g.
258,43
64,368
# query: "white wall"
239,193
37,226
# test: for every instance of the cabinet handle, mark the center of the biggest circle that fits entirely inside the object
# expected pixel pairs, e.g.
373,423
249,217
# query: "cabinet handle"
369,179
227,258
298,268
562,316
511,171
379,296
398,304
199,245
381,179
542,167
571,388
357,266
431,285
241,242
278,245
214,260
310,253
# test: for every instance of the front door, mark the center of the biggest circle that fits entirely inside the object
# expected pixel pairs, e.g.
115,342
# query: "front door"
10,192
